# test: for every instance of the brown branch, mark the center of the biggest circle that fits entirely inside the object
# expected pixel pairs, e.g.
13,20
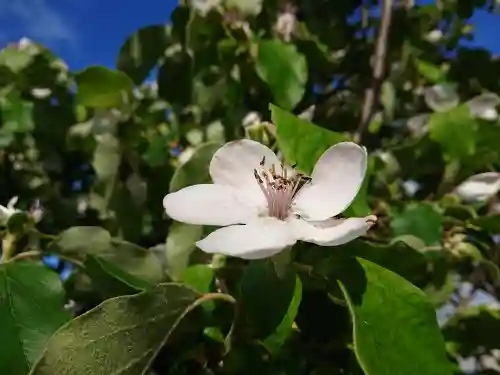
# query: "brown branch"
378,58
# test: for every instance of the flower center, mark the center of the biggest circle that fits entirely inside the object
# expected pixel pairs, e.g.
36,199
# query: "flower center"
280,190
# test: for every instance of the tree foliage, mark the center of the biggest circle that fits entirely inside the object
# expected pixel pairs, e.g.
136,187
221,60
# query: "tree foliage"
91,154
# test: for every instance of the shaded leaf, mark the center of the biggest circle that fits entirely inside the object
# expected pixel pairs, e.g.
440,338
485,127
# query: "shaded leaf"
96,241
266,297
277,339
122,335
31,310
142,51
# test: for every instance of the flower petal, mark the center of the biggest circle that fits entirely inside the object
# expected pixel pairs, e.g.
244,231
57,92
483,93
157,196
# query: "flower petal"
441,97
332,232
336,180
479,187
259,239
209,204
233,165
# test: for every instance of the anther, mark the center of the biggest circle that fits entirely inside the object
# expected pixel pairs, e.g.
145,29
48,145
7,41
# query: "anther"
257,177
263,161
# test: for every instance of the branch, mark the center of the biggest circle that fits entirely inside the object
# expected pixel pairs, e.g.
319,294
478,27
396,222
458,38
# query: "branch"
378,58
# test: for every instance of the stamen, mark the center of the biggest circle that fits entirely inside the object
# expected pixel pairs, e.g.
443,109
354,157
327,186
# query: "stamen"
280,190
263,161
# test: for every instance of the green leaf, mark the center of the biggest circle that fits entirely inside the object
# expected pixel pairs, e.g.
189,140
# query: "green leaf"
195,170
266,297
394,325
100,87
430,71
122,335
181,242
199,277
420,220
284,70
277,339
456,131
17,115
107,157
142,51
473,327
112,281
300,141
96,241
490,223
398,257
31,310
15,59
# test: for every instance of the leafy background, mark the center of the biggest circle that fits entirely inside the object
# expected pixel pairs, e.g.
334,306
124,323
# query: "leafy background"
99,147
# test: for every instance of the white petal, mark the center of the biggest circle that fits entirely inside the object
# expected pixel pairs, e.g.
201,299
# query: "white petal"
332,232
441,97
259,239
209,204
484,105
336,179
233,165
479,187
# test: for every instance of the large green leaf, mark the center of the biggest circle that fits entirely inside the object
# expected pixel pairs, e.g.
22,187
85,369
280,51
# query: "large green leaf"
96,241
100,87
195,170
284,69
394,325
142,51
31,310
266,297
122,335
420,220
300,141
456,131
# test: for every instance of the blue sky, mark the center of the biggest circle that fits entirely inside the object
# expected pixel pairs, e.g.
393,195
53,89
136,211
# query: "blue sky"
92,31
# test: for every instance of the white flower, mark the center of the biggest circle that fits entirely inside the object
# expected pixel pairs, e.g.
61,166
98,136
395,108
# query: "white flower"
41,93
204,6
251,119
265,206
7,212
479,187
441,97
285,25
484,106
434,36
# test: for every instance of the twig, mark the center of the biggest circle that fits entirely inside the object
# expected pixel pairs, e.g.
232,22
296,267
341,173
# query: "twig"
379,57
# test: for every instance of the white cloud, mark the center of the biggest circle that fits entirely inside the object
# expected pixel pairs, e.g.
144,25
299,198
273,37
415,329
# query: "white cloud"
38,19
